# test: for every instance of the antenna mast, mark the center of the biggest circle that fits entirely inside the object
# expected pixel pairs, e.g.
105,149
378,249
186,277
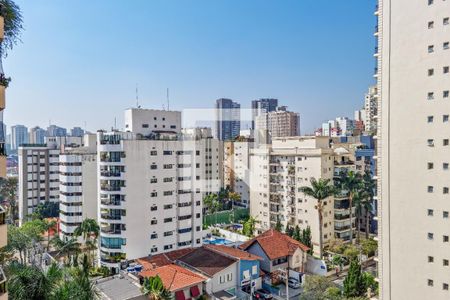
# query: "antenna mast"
137,96
168,102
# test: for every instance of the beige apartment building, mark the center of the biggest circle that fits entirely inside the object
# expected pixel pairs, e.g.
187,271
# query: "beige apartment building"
414,149
278,123
277,173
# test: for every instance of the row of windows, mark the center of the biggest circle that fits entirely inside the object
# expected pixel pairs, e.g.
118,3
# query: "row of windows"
430,119
430,166
445,70
430,189
445,94
445,238
444,285
430,212
445,21
445,46
169,152
430,142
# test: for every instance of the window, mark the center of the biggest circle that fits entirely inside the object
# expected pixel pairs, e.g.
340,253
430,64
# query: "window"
445,262
445,94
430,142
144,125
430,236
430,2
430,96
167,220
153,167
445,166
445,118
229,277
430,189
445,238
168,166
168,233
446,69
153,236
430,212
445,190
154,222
430,259
446,45
430,25
154,250
167,193
445,286
153,194
430,72
430,49
167,152
255,270
154,208
430,119
153,153
430,165
445,214
445,142
445,21
430,282
168,206
153,180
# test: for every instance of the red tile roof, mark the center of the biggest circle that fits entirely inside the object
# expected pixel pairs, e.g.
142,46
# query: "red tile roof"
233,252
207,261
174,277
275,244
163,259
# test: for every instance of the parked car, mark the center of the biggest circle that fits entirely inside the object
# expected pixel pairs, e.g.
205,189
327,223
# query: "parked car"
293,283
262,294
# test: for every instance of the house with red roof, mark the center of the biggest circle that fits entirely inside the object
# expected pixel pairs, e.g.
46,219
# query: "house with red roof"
278,251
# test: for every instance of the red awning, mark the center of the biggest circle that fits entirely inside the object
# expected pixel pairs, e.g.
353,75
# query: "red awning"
179,295
195,292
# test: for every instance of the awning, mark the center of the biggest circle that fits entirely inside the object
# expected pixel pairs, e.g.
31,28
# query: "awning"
179,295
195,292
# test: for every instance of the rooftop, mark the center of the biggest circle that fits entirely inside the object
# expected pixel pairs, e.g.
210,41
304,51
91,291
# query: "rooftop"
174,277
275,244
207,261
234,252
119,287
163,259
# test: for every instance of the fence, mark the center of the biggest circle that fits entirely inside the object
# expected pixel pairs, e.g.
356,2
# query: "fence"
227,217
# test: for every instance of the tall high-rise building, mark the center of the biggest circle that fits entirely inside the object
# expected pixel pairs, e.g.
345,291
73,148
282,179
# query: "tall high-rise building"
278,123
77,185
37,135
414,149
77,131
371,108
263,105
228,123
19,136
54,130
151,187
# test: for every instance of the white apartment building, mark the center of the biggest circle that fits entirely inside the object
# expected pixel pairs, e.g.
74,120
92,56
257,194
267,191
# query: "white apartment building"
146,121
38,170
277,173
371,108
414,149
151,191
278,123
78,185
236,168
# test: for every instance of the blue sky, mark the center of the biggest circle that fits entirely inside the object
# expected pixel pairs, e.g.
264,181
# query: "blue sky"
80,60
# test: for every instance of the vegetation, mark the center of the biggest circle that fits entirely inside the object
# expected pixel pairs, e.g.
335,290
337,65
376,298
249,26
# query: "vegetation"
46,210
89,230
67,248
369,247
249,227
153,287
30,282
354,282
279,226
316,287
12,25
320,190
8,192
23,239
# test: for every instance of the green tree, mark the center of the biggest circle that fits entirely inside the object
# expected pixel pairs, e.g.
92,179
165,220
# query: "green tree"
354,282
306,239
18,241
369,186
350,183
249,226
8,191
320,190
66,248
31,282
153,287
279,226
297,233
89,230
12,25
290,231
315,288
49,225
368,247
351,252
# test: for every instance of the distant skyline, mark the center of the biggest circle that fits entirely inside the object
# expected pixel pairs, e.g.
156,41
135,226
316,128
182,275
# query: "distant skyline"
80,61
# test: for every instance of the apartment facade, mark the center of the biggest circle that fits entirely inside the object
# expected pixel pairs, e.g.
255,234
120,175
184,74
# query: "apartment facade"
371,106
78,185
277,173
414,82
263,105
37,135
19,136
278,123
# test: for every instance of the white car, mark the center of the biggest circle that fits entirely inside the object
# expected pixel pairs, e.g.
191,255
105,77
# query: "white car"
293,283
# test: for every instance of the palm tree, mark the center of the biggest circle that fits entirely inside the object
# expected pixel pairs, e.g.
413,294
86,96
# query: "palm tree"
90,230
320,190
153,287
31,282
49,225
211,202
369,187
8,191
359,200
351,183
66,247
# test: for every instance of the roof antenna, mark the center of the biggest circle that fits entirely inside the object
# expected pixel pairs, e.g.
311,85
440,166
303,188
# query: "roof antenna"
137,97
168,102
